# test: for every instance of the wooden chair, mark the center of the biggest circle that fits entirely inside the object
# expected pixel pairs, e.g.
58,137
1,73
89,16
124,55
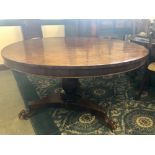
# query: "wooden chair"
31,28
149,66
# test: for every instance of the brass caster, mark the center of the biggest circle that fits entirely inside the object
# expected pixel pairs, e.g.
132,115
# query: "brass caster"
24,115
112,125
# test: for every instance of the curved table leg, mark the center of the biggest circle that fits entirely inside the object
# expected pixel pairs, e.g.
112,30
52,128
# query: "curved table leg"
70,99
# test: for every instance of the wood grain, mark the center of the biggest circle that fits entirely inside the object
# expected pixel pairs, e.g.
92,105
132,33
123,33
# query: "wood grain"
74,57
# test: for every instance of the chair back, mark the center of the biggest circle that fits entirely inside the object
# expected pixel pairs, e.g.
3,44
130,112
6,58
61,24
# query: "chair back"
31,28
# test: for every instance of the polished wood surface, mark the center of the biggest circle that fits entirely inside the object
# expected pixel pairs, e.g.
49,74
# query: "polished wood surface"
74,57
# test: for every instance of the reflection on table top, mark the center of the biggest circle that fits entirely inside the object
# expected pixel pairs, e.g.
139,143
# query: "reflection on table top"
71,53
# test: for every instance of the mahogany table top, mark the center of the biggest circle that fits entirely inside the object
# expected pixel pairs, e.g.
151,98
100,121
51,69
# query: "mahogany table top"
74,57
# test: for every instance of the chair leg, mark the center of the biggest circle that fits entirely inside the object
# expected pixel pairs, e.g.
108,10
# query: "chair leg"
145,79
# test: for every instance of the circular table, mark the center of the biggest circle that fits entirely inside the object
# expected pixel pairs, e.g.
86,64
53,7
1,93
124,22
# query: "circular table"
73,57
145,42
70,59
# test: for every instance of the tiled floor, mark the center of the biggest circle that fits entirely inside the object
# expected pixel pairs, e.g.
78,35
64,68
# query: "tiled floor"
10,104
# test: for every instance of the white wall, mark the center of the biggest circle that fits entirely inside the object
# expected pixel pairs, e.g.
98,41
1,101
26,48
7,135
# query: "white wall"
53,31
8,35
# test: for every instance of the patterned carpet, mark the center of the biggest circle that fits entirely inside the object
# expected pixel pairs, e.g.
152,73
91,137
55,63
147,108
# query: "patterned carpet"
115,93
